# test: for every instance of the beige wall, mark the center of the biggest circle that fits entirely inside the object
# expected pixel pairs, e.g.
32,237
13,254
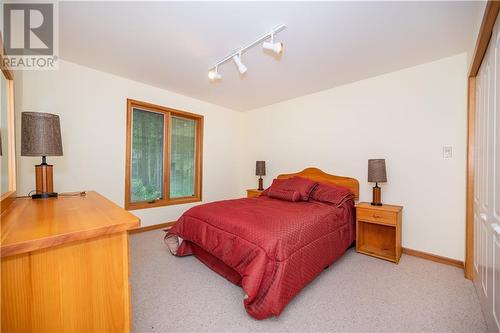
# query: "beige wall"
405,117
92,108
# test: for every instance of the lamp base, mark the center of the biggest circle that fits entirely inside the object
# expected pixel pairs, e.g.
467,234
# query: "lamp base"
44,184
376,196
44,195
261,184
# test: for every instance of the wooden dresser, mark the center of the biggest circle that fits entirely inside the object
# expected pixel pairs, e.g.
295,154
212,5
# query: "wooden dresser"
65,265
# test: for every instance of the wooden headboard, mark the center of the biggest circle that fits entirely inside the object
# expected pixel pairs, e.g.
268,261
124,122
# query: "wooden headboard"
323,177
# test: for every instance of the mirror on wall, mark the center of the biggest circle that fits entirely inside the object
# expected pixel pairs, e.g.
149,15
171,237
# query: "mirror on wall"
4,153
7,137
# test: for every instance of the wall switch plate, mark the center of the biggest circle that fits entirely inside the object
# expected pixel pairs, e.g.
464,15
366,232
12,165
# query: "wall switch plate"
447,152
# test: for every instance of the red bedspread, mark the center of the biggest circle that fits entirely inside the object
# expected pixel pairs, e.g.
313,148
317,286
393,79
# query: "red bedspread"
271,248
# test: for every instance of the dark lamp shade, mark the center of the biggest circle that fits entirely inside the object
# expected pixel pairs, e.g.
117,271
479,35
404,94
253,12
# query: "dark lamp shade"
376,171
260,168
40,134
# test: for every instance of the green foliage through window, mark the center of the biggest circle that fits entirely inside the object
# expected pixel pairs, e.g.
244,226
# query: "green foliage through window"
149,147
182,157
147,155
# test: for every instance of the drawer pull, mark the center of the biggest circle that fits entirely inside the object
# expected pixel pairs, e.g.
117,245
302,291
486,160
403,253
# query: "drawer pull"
376,216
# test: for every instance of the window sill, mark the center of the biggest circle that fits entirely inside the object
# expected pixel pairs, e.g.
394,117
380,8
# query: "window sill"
160,203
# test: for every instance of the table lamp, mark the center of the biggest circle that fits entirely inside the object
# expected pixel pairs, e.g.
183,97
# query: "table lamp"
377,174
41,136
260,170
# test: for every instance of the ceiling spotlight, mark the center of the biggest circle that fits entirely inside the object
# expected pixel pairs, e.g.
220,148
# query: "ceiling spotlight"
214,74
272,46
237,60
275,47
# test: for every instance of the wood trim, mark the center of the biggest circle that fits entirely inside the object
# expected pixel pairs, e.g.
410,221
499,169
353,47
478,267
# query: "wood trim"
166,225
199,158
6,72
168,152
128,147
168,112
8,197
163,109
321,176
484,36
434,257
489,18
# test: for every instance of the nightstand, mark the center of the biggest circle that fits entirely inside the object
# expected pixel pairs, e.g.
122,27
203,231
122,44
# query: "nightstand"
378,231
253,193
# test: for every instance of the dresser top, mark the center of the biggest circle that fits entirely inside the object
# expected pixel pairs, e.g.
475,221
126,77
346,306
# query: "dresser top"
32,224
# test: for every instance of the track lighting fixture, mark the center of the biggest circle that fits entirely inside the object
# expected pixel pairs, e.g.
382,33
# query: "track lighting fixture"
275,47
213,73
272,46
237,60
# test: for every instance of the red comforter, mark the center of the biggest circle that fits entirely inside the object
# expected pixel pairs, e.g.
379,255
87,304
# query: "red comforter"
269,247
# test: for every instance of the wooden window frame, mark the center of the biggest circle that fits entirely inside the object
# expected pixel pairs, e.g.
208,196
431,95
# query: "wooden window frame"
168,113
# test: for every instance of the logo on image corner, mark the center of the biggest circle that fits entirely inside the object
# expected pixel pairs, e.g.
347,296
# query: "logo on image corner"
29,32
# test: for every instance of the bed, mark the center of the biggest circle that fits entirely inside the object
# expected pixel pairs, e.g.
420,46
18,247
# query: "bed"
271,247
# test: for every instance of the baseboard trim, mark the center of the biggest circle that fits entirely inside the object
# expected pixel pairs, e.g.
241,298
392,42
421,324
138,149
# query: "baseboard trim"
152,227
434,257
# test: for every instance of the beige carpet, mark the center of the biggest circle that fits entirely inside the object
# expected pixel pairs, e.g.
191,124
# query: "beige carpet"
356,294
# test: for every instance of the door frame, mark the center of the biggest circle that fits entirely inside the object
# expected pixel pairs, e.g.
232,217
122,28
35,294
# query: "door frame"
482,42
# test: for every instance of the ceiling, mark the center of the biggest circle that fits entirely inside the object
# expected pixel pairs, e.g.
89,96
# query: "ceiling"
171,45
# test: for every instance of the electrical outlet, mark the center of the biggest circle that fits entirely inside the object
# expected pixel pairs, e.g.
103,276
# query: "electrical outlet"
447,152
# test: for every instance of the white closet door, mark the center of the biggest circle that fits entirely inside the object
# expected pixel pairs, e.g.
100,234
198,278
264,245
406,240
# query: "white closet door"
483,92
477,174
487,184
493,214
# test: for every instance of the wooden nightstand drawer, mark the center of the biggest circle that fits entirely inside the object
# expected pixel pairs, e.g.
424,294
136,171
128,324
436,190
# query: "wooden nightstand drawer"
377,216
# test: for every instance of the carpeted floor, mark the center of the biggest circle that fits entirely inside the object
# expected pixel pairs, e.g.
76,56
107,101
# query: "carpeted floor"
356,294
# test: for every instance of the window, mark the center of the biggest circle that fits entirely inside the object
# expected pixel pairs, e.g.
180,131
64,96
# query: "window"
163,156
